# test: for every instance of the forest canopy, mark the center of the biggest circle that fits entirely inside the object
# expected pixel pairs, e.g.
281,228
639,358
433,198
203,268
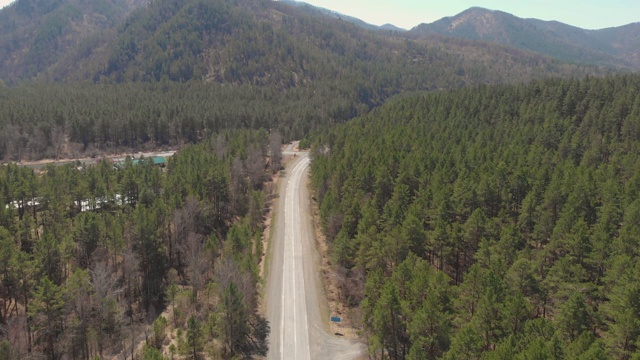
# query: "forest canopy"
497,222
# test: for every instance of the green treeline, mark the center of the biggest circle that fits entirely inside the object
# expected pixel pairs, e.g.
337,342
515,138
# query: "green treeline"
499,222
50,121
90,257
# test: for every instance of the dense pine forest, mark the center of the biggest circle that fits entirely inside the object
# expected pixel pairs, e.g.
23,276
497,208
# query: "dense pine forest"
72,120
497,222
96,260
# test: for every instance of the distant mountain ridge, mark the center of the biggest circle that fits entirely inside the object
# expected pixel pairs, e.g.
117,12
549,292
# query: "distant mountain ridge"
391,27
255,42
615,47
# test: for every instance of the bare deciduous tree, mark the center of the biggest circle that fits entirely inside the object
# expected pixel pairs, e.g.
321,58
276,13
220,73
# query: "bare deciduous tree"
13,142
197,262
244,331
275,141
255,167
108,310
228,271
350,284
130,278
221,146
185,221
17,335
57,139
78,296
37,144
237,186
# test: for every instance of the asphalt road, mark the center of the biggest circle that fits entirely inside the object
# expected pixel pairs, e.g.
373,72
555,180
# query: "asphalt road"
293,300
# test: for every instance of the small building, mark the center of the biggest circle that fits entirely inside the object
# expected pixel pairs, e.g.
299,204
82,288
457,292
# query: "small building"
160,161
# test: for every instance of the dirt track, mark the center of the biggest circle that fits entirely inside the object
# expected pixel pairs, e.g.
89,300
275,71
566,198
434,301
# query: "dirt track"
40,164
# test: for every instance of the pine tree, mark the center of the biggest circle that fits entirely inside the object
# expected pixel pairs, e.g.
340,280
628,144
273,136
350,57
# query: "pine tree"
234,322
194,337
574,317
388,322
47,311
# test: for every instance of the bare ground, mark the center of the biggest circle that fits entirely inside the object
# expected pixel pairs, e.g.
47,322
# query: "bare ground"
89,160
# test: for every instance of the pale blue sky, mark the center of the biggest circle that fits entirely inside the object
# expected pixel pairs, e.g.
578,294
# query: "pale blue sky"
588,14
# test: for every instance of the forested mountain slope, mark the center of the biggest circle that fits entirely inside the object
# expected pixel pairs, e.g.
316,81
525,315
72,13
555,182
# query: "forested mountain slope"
498,222
35,34
615,47
278,44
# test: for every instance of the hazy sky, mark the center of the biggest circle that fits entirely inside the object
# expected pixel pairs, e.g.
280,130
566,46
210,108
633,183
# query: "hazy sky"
588,14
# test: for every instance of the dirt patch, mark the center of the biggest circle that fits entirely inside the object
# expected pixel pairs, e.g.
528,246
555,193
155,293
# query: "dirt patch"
265,241
268,219
93,160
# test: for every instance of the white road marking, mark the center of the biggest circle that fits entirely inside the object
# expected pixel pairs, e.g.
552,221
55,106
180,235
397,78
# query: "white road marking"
293,276
298,338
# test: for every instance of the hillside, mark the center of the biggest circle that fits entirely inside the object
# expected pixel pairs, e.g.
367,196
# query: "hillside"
499,222
251,41
615,47
35,34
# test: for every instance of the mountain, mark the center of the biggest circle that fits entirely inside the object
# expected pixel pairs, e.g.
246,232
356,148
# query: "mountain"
35,34
614,47
391,27
256,42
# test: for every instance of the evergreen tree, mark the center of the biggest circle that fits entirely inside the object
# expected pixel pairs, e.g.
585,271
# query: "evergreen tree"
47,311
194,335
